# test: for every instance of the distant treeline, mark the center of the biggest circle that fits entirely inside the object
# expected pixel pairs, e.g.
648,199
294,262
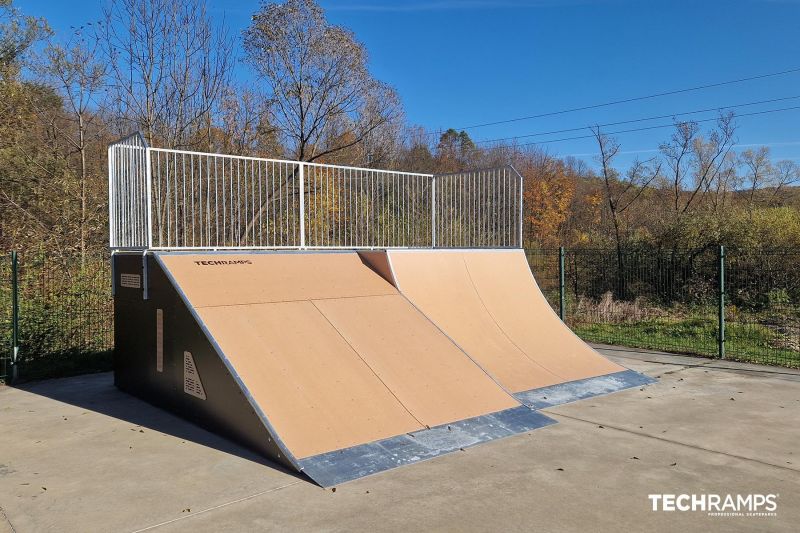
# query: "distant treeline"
165,67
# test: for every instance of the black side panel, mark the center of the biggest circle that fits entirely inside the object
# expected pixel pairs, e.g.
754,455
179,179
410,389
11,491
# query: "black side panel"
226,410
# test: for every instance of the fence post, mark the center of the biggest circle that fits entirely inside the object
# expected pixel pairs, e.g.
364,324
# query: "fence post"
562,303
433,212
14,317
302,206
149,197
721,313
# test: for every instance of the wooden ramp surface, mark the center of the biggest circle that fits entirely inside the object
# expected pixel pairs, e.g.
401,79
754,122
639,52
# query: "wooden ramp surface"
489,303
330,351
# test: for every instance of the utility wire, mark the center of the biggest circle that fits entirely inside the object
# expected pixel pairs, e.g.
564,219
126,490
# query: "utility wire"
628,100
632,121
655,127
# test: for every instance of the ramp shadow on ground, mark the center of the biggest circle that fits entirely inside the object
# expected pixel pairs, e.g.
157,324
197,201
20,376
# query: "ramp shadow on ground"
96,392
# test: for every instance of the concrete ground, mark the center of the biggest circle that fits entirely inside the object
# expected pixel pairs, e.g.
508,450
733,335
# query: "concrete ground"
78,455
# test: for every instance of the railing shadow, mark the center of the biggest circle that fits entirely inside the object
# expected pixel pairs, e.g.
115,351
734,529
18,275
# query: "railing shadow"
97,393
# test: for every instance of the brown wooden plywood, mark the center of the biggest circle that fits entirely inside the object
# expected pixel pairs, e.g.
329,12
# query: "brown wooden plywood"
438,284
315,390
434,379
513,298
234,279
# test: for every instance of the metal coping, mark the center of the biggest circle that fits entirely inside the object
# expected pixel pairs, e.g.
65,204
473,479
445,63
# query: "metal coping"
581,389
331,468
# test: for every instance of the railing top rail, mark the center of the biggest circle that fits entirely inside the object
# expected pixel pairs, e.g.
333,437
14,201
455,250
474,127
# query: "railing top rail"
481,169
289,161
138,135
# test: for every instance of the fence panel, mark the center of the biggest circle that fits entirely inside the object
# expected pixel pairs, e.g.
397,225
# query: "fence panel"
479,209
362,208
128,190
670,301
5,318
203,200
647,300
763,307
66,316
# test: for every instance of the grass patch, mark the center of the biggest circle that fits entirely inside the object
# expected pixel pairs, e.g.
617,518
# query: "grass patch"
695,335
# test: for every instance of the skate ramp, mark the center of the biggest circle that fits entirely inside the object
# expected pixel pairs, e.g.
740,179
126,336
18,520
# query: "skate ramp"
488,302
343,373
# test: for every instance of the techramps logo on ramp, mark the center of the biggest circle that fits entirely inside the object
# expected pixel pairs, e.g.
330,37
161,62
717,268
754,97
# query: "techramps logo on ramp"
718,505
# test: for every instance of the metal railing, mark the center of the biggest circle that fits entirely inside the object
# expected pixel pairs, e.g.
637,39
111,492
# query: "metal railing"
175,199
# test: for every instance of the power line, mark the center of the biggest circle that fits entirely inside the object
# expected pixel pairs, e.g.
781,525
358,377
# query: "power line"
655,127
632,121
628,100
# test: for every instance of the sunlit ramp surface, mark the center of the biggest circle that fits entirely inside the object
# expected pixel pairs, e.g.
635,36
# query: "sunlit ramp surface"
311,358
489,304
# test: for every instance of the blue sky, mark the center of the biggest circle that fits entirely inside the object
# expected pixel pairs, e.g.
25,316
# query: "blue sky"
457,63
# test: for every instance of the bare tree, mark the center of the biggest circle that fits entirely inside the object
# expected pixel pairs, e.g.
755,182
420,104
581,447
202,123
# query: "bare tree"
169,67
696,164
76,72
758,172
323,97
786,174
622,193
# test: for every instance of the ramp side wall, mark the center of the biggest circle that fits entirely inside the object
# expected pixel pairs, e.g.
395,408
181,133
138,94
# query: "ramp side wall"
226,409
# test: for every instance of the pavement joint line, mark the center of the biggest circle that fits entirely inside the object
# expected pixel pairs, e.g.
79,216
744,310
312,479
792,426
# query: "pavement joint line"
8,521
670,441
215,507
703,365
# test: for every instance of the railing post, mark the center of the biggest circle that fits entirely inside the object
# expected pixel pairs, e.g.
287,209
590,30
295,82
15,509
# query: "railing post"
302,206
721,314
433,212
562,303
112,204
521,185
14,317
149,196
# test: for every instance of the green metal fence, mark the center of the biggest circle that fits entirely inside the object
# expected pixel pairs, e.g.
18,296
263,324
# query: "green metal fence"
715,303
668,301
6,319
63,322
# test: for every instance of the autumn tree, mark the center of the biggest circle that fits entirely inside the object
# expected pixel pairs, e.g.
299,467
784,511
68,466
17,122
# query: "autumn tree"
549,189
455,151
322,95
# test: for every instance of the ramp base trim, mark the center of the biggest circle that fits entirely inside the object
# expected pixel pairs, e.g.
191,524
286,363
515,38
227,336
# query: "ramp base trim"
331,468
581,389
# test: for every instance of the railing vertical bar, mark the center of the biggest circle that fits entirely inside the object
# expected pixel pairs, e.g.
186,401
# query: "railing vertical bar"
302,207
149,197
